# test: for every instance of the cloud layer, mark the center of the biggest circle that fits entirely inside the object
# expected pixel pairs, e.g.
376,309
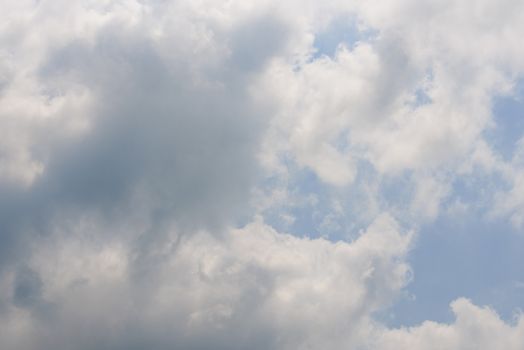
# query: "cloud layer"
208,174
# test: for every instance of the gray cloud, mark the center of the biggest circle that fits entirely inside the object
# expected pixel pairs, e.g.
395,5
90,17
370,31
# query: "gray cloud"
161,148
180,148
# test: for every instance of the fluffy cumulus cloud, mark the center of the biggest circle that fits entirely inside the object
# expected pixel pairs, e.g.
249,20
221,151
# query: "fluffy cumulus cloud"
474,328
213,175
253,288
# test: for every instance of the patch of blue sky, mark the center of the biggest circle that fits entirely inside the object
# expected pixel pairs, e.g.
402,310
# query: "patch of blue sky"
343,30
420,96
462,256
309,201
508,116
309,195
342,141
397,190
476,191
317,209
302,188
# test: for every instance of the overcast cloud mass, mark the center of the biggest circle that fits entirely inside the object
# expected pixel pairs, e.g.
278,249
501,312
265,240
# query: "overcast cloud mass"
261,174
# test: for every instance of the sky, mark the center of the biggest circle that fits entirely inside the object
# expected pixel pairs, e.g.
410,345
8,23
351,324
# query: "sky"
261,174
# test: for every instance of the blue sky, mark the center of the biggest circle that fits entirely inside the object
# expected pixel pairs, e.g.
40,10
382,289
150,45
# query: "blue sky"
509,124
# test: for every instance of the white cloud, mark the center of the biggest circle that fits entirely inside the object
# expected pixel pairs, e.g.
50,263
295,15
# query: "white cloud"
362,104
254,288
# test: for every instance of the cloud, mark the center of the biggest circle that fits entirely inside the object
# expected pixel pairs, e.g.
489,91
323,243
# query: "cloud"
414,98
254,288
144,146
118,113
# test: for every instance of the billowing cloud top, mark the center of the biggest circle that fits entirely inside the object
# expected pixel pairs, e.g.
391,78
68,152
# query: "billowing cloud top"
261,174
